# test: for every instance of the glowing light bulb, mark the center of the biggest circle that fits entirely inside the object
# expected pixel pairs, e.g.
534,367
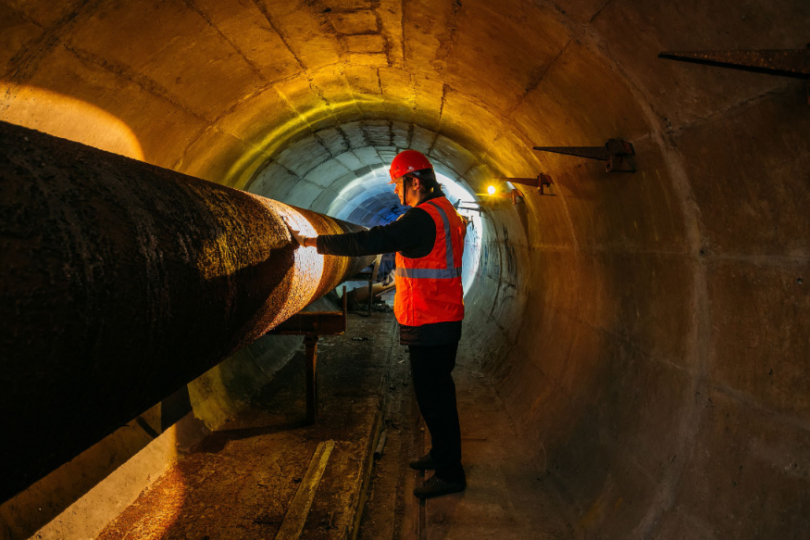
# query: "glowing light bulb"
491,190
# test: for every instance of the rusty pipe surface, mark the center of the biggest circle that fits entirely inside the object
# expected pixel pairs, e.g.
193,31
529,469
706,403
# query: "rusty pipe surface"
121,282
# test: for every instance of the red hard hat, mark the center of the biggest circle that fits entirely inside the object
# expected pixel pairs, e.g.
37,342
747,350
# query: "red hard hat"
406,162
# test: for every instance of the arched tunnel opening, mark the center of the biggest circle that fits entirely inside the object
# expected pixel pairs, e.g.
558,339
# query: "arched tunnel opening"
634,355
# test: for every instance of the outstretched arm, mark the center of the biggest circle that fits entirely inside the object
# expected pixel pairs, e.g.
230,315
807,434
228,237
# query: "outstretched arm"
304,241
412,231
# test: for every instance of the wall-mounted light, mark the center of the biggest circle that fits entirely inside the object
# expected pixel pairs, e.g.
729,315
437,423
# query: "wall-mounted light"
515,194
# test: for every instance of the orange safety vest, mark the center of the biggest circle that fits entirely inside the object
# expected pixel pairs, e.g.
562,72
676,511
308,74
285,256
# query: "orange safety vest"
429,288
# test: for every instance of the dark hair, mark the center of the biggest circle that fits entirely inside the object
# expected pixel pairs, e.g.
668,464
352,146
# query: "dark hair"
427,178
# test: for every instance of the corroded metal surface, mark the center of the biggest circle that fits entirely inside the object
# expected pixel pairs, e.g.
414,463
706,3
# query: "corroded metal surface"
121,282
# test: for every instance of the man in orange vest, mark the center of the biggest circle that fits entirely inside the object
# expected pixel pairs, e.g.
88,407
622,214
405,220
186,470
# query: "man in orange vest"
429,242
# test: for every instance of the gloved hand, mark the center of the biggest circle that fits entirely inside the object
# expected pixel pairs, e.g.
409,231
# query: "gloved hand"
301,239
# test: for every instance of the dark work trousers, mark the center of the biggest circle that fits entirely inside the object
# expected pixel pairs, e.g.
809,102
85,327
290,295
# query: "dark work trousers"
431,368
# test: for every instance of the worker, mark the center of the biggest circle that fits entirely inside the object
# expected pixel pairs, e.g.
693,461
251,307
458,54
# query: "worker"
429,242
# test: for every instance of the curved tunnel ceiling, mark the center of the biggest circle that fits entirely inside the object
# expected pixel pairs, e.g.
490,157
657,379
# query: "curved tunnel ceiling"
343,171
656,384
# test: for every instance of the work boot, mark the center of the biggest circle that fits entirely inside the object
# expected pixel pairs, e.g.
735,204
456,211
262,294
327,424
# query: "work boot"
436,487
424,463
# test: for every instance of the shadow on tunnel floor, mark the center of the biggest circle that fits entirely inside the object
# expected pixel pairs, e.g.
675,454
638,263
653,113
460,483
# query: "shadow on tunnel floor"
239,482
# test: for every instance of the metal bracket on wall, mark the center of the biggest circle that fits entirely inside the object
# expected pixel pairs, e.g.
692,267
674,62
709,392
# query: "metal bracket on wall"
542,182
462,205
312,325
793,63
466,206
617,152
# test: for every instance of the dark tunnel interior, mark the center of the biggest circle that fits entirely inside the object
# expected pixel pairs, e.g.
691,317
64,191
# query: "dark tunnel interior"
646,332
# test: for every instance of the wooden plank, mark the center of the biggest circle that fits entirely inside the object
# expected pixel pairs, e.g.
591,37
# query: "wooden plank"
297,514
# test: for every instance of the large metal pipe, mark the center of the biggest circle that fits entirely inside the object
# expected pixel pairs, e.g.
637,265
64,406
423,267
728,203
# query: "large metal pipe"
120,282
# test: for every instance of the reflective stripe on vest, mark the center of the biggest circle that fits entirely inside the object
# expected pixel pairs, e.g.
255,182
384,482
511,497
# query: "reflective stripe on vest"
429,273
451,271
429,288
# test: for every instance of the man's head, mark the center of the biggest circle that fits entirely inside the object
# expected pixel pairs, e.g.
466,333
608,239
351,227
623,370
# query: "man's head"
413,176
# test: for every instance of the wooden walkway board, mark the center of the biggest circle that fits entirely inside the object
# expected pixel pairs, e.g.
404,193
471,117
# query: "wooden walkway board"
296,517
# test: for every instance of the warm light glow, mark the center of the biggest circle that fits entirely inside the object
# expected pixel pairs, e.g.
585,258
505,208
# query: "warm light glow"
67,117
491,190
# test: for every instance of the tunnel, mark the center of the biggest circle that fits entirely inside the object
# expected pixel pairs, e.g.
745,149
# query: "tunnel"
643,335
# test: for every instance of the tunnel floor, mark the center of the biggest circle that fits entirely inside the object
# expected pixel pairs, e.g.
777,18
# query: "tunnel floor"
241,480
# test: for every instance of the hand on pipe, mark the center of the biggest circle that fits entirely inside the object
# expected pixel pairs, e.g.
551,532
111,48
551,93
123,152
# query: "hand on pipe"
301,239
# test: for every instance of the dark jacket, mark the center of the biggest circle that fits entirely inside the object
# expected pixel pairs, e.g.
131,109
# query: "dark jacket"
413,235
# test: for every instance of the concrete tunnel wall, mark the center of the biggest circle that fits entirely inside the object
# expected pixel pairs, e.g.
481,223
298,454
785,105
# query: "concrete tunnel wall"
647,331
